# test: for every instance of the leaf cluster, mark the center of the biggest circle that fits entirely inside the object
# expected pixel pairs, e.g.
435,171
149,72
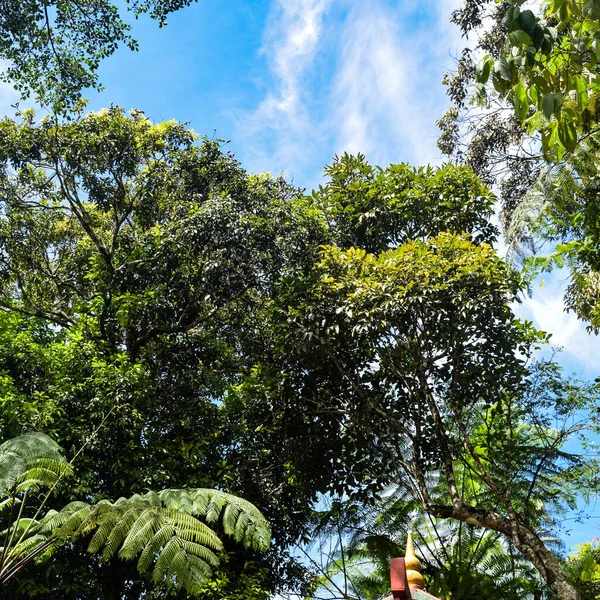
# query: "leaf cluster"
55,47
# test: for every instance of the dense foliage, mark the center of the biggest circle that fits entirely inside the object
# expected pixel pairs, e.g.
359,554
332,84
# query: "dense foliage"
525,117
177,324
583,568
137,266
413,359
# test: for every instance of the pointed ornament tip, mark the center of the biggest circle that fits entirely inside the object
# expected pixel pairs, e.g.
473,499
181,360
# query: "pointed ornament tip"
411,560
413,565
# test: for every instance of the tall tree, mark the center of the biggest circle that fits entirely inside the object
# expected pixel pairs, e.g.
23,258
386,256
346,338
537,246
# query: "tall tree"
535,73
137,268
423,364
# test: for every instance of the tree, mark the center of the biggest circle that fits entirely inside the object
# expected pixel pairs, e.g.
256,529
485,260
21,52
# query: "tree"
540,74
555,92
549,64
481,129
583,568
556,225
161,527
138,267
423,363
54,47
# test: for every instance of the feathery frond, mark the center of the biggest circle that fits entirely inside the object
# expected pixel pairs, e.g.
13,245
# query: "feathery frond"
169,531
30,461
163,529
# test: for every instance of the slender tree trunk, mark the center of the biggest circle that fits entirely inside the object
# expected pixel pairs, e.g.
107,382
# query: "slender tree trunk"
524,538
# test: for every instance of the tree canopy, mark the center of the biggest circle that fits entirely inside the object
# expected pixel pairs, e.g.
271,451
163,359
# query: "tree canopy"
192,334
423,370
524,117
137,265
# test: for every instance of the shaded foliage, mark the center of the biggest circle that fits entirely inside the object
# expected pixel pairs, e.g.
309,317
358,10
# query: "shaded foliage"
137,268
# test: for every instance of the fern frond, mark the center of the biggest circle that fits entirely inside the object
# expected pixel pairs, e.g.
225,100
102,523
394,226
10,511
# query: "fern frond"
164,529
169,530
30,461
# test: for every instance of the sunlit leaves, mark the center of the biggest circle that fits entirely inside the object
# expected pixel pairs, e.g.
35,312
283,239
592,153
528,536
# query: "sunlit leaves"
374,208
142,284
544,66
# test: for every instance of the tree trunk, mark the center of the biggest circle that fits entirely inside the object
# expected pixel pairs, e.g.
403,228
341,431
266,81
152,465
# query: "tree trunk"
545,562
524,538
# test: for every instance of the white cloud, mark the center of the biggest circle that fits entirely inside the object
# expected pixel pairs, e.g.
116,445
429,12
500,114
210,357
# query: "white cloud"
8,96
546,310
345,75
379,96
276,134
387,92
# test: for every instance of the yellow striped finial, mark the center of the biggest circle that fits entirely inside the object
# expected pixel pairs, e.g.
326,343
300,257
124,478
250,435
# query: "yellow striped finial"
413,566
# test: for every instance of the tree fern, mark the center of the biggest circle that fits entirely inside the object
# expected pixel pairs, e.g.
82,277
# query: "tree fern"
169,531
30,461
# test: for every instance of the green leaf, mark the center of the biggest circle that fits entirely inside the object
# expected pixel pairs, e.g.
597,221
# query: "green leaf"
500,84
521,101
483,70
510,18
537,37
565,13
567,132
550,104
532,92
581,91
548,137
527,21
592,9
555,5
503,67
519,38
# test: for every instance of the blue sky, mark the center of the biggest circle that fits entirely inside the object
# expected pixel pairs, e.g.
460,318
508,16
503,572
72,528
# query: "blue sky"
293,82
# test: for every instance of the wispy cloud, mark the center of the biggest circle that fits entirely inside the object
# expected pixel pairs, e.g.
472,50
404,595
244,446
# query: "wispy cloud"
281,126
345,75
546,310
388,89
8,95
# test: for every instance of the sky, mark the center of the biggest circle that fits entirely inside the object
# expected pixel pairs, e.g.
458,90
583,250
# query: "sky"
292,83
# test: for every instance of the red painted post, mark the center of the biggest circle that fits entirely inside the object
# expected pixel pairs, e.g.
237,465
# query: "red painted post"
400,589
